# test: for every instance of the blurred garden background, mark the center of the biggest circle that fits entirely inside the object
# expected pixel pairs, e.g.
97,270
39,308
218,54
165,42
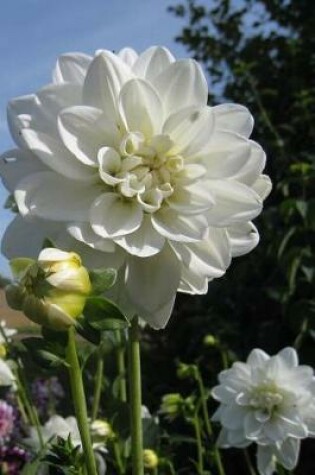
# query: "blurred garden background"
260,54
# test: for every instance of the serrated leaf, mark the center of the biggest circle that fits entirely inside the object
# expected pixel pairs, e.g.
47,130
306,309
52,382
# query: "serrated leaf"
102,280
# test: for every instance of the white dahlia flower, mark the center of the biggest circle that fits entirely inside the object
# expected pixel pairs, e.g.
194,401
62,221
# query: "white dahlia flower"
270,401
122,154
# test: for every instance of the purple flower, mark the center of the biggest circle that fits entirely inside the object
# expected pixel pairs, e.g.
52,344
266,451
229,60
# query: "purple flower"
6,420
12,460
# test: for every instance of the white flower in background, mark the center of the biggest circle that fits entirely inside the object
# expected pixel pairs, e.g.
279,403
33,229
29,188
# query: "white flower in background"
270,401
8,332
51,291
6,376
58,426
55,426
122,153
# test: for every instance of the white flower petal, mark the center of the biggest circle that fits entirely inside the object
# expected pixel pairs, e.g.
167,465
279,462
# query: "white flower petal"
182,84
25,238
52,99
289,356
224,394
191,199
128,56
252,426
105,77
243,238
257,358
252,168
235,203
16,164
144,242
55,155
288,453
36,195
140,108
265,461
233,417
152,283
23,112
85,234
225,154
191,282
177,227
262,186
209,257
84,130
152,62
71,67
111,216
190,129
234,117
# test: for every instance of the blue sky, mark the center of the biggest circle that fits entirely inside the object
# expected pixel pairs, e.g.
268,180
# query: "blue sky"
34,32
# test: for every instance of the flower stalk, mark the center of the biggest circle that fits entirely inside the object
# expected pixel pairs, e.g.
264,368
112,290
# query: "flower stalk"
79,400
97,384
135,398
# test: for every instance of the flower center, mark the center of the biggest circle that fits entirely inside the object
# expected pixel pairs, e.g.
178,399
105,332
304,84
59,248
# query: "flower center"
142,170
266,398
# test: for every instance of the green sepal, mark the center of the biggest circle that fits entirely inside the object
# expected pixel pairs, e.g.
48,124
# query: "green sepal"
102,314
20,265
102,280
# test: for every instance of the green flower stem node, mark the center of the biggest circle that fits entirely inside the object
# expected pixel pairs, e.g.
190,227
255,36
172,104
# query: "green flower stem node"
79,401
135,398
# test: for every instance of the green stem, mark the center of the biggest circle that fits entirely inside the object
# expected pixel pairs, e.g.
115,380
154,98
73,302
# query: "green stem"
135,398
206,417
98,385
198,444
27,402
119,462
120,355
79,401
249,464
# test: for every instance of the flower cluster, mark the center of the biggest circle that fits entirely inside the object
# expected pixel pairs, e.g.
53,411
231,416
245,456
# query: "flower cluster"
52,290
6,421
270,401
122,154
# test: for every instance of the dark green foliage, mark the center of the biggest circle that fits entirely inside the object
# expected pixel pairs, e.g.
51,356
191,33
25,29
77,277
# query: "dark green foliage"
260,54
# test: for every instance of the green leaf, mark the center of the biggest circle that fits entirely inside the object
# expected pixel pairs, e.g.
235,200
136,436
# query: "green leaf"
151,432
45,354
102,279
87,331
103,314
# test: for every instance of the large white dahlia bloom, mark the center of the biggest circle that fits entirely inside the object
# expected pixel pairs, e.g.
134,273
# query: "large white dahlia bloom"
122,153
270,401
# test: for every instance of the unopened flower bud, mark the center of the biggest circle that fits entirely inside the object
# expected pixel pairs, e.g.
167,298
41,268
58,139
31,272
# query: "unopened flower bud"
210,340
150,459
51,291
186,371
171,405
101,430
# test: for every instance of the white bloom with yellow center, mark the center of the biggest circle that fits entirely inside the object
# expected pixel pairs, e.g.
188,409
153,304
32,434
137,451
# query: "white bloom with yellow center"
123,153
270,401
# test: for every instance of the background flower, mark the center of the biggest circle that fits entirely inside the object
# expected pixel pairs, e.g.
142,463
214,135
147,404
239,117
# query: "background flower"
6,421
270,401
122,153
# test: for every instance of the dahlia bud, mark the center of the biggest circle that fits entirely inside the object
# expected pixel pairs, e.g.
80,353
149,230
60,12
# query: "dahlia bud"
172,405
52,290
101,430
150,459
